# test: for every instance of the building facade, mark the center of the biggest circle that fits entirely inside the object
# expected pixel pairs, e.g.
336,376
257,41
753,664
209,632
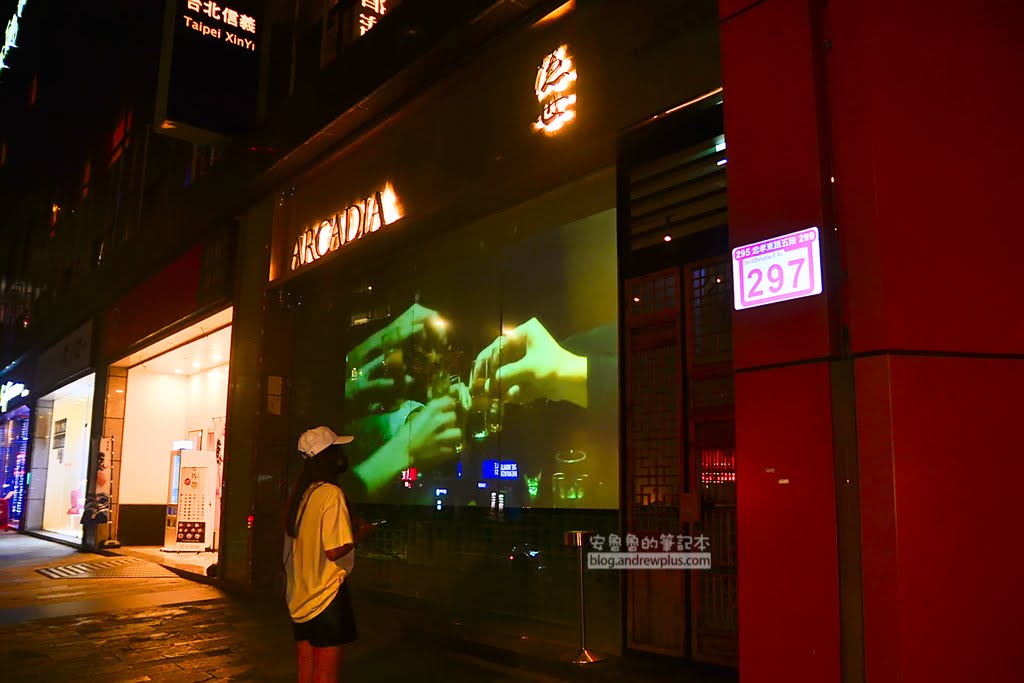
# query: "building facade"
423,271
537,258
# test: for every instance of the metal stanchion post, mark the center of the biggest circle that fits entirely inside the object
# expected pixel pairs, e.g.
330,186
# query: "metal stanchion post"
585,656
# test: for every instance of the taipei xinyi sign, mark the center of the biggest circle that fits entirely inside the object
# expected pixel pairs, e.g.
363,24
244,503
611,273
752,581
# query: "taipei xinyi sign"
209,69
778,269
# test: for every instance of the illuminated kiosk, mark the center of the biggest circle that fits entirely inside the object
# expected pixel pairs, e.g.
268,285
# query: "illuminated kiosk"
192,505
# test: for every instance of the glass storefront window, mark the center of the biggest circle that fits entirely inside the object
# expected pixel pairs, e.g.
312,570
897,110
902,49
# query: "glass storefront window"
478,372
68,426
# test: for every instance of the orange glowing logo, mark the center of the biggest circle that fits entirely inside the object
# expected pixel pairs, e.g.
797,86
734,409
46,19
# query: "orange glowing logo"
555,88
354,222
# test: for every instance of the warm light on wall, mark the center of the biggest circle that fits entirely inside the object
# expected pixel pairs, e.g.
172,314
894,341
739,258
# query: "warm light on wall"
380,209
555,88
557,13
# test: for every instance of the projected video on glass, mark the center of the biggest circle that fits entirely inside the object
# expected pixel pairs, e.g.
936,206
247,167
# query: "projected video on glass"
485,373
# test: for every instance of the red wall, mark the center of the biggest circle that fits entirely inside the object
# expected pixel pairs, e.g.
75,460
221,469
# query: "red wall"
919,105
941,460
162,300
788,559
788,572
926,111
773,171
926,103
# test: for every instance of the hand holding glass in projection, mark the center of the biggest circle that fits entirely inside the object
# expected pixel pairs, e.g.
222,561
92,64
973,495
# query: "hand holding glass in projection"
378,367
526,364
430,435
433,432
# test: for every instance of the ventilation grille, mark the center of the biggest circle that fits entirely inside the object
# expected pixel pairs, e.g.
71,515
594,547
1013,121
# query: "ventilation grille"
679,194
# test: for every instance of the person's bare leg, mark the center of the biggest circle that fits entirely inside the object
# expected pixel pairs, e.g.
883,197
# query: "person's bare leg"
305,662
326,664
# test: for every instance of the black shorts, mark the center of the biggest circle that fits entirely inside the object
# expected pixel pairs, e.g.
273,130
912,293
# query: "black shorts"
336,625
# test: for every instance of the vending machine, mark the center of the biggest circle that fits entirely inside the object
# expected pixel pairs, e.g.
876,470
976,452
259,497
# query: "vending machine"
192,502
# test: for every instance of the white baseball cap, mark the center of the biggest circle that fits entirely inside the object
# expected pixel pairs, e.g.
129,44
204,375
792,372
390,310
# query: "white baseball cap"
314,441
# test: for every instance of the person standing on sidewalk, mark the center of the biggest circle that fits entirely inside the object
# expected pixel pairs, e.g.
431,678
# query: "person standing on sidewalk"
319,557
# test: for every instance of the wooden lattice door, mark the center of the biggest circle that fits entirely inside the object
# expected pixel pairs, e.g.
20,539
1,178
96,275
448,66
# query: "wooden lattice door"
654,438
711,450
680,457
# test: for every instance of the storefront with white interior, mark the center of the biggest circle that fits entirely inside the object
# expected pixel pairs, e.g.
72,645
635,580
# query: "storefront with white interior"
165,428
58,462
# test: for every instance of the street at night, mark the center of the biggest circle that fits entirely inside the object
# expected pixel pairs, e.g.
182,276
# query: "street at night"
124,630
511,340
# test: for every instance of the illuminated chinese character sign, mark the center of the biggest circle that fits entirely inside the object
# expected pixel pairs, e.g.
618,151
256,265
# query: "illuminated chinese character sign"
209,68
226,24
362,16
777,269
370,12
555,87
357,220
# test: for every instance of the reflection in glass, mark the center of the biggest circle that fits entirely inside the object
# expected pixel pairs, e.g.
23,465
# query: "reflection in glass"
494,416
428,359
533,483
394,365
480,401
460,393
569,482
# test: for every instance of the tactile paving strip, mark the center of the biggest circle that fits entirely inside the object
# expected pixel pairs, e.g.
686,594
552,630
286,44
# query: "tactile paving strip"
114,568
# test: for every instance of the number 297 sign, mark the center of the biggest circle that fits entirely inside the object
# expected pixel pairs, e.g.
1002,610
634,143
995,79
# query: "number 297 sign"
777,269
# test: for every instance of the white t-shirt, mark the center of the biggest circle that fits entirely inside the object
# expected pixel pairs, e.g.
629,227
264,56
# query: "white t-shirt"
313,580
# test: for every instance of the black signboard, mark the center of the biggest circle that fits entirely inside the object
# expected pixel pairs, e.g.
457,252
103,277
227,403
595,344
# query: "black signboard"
209,68
191,532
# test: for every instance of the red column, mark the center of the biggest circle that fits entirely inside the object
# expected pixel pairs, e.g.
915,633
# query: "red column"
926,102
919,107
788,557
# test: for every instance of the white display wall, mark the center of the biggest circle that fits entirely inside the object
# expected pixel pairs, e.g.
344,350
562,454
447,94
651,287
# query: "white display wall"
68,457
162,408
